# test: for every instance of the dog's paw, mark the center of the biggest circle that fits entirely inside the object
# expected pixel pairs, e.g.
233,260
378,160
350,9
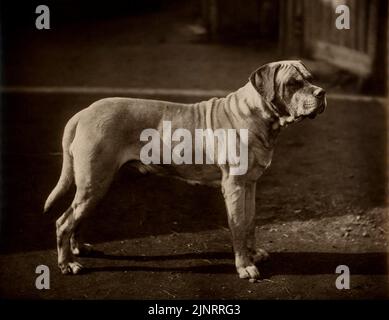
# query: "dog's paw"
83,250
249,272
70,268
260,255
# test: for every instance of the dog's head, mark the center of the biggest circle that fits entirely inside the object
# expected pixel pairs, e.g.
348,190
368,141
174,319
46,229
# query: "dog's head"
287,87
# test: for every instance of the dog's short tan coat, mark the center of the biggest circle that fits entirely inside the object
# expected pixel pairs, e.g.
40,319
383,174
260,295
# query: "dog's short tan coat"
98,140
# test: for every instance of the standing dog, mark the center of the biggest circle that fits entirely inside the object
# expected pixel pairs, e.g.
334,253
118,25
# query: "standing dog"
98,140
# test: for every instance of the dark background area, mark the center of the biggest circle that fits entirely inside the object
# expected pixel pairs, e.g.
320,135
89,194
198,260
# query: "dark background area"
293,28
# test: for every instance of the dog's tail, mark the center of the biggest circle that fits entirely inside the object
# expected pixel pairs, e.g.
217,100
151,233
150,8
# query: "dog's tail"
67,174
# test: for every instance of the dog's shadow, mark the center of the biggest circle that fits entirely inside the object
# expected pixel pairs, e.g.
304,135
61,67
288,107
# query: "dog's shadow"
279,263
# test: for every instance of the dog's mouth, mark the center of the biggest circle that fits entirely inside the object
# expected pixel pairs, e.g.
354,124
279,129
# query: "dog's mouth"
318,110
312,115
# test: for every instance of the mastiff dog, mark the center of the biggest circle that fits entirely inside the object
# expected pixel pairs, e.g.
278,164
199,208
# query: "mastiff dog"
98,140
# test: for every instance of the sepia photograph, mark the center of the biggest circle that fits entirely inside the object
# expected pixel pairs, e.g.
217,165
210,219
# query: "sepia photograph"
202,150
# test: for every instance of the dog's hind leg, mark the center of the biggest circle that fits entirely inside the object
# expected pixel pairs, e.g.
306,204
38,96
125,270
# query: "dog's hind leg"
78,247
63,226
92,179
84,202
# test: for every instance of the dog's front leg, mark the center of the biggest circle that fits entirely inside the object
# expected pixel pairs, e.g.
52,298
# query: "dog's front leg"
234,192
250,214
256,254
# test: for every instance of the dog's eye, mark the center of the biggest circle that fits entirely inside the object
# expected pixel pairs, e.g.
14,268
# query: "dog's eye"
294,83
309,78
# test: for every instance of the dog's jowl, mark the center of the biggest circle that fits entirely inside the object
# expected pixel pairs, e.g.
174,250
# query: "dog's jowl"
98,140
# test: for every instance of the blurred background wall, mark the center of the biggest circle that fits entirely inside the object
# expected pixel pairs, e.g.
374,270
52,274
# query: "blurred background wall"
306,28
299,28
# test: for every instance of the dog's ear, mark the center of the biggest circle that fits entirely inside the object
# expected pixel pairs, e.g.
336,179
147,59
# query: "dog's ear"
263,80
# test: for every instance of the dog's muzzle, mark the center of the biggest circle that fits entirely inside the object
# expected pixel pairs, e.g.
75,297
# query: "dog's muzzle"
322,102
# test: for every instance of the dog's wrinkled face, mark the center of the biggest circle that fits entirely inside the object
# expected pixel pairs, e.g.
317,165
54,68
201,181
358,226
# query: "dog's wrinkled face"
287,86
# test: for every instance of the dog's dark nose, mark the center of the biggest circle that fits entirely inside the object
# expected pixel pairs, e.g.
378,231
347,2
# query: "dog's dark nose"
319,93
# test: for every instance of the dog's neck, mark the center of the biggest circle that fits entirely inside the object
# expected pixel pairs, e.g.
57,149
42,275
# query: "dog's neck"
266,110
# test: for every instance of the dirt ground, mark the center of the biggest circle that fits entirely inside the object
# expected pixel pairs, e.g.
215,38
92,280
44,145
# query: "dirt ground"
321,204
